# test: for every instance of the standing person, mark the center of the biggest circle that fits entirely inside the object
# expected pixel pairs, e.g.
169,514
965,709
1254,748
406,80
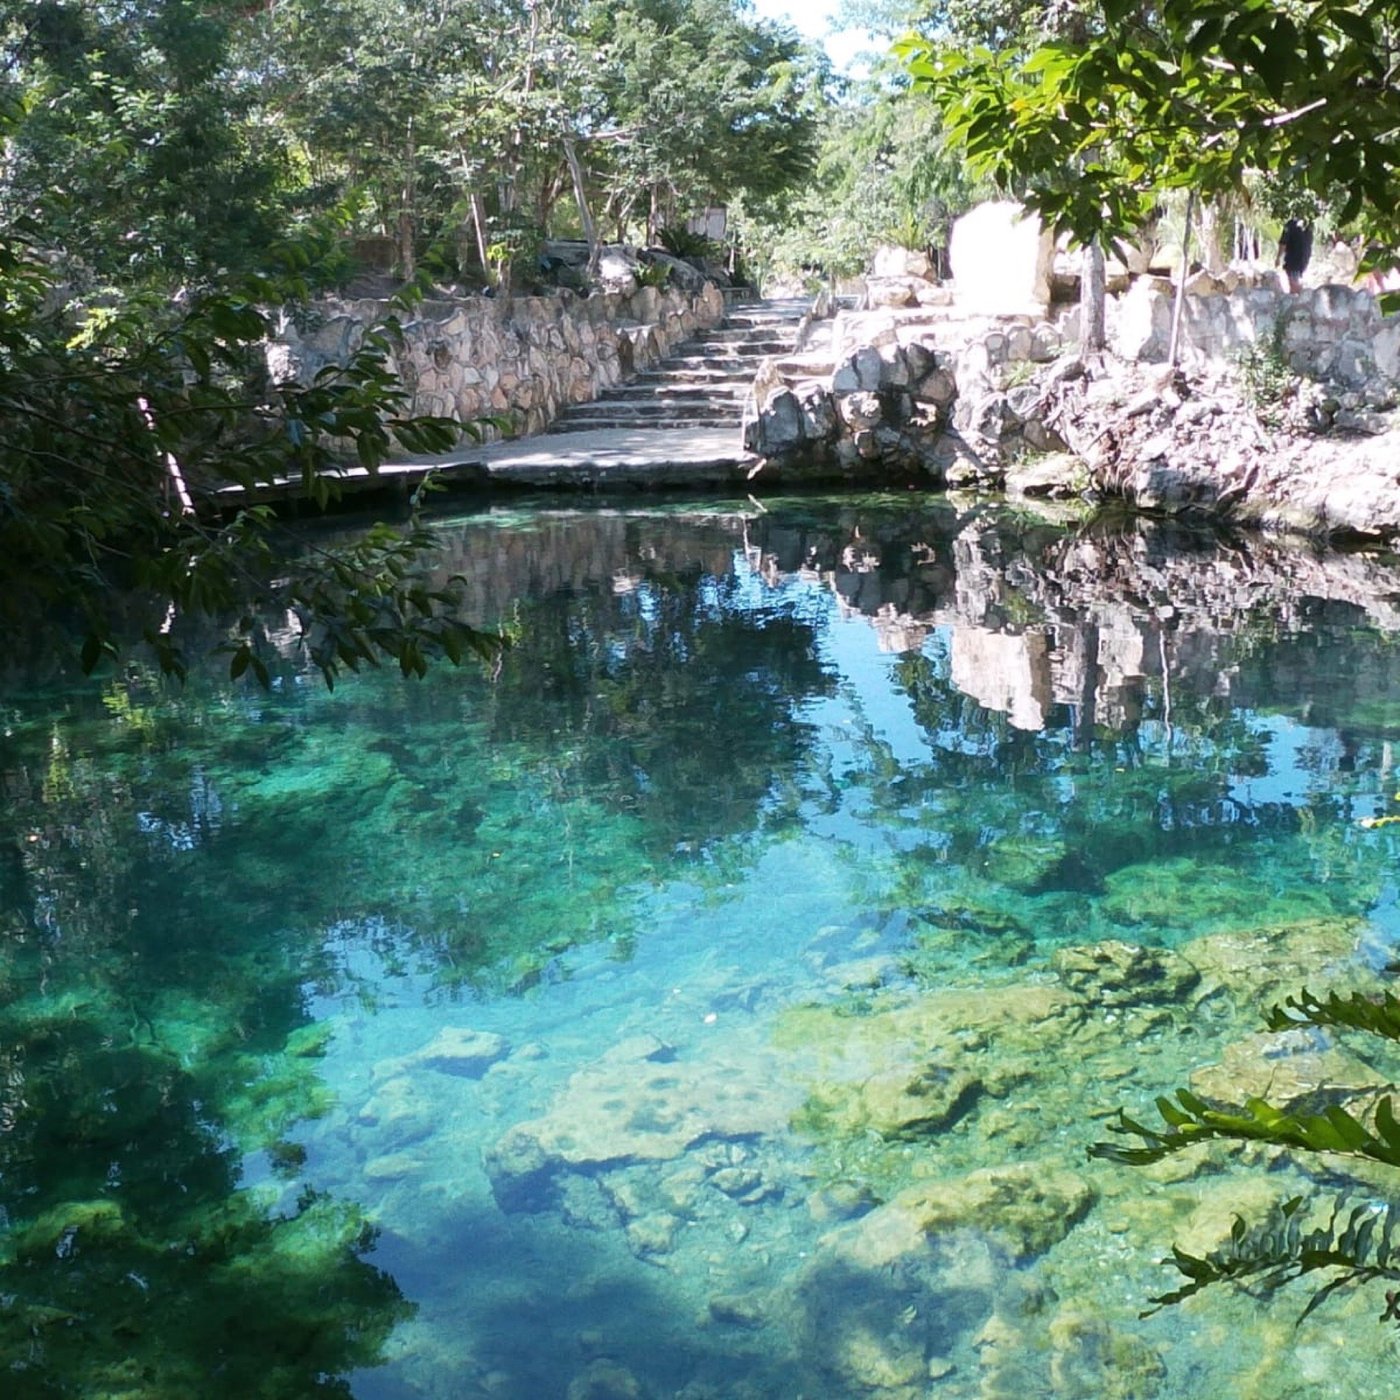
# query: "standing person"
1294,252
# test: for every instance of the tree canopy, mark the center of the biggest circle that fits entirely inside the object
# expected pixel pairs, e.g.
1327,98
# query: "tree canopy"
1091,126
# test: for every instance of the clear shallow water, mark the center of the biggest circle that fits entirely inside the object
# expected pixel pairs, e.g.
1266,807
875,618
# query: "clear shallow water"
718,1000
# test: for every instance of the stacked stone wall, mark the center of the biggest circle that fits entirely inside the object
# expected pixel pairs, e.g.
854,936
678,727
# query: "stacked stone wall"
895,380
519,359
1332,333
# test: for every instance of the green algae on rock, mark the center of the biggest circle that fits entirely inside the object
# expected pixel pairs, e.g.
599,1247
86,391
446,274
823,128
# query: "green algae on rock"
1114,973
1027,1206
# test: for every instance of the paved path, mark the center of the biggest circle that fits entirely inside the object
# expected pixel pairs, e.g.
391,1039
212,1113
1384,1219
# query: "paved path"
620,457
624,458
678,425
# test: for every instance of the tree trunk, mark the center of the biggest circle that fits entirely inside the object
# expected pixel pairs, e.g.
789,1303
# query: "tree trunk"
408,253
1181,279
479,228
585,215
1212,254
1092,298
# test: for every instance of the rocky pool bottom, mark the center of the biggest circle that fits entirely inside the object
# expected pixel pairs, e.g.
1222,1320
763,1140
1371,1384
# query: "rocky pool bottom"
720,999
859,1184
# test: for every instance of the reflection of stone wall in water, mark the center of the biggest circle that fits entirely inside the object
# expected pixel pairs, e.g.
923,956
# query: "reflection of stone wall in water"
1036,619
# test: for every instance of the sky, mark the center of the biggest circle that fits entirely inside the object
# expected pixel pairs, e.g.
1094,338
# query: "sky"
813,19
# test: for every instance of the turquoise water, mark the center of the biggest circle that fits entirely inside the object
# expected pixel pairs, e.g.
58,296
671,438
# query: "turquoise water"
717,998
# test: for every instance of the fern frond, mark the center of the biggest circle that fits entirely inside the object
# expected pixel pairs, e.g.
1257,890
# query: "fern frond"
1190,1120
1378,1015
1359,1245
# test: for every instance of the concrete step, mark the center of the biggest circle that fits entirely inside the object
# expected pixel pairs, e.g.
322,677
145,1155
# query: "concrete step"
736,350
593,425
654,408
674,393
727,364
689,379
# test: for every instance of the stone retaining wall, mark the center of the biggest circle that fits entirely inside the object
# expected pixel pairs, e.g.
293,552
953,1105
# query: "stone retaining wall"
1332,333
880,402
518,358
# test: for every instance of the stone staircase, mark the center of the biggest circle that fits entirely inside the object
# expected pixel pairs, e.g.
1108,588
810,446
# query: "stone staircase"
703,383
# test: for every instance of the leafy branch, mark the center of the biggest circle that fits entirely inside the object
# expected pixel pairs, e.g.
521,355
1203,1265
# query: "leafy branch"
1360,1245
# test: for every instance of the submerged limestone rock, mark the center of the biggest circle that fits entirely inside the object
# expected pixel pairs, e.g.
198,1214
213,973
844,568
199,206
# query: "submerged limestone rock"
1115,973
606,1380
1260,963
1252,1197
455,1050
637,1103
1027,1206
1291,1069
400,1113
906,1102
1092,1360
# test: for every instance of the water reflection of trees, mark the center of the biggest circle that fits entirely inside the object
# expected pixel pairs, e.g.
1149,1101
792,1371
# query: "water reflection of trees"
176,872
149,1044
180,870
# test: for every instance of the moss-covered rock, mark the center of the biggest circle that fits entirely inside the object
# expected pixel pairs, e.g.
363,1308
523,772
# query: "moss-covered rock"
1093,1361
1028,1206
1256,963
1184,894
1114,973
906,1102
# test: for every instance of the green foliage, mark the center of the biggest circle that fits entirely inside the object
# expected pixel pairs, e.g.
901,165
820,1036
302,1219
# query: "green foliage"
1355,1246
1190,1120
137,145
111,420
885,174
1266,377
680,242
169,165
654,274
1093,125
1279,1249
1378,1016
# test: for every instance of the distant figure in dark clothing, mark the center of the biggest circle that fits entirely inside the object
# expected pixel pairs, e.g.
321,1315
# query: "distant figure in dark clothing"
1295,252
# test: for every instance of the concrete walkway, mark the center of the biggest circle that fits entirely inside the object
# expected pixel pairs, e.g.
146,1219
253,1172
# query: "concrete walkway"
621,458
680,424
656,457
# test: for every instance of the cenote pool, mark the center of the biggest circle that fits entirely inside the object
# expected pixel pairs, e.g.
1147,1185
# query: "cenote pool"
717,998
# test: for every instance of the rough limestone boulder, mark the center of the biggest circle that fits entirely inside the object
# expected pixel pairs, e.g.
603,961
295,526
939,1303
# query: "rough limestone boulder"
617,271
638,1103
1025,1206
1002,260
1115,973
